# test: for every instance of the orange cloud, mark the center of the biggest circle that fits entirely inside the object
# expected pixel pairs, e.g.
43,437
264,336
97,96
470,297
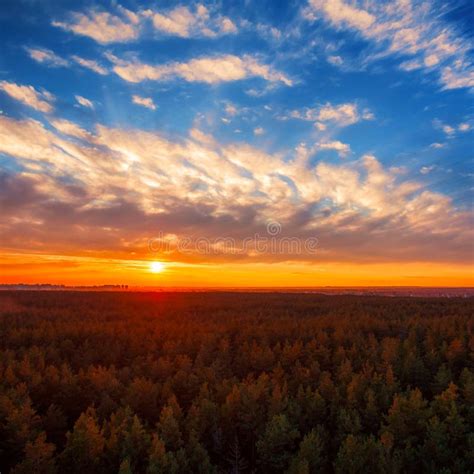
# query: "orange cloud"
29,96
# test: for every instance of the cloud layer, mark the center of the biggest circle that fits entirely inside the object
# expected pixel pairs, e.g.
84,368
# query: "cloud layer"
118,188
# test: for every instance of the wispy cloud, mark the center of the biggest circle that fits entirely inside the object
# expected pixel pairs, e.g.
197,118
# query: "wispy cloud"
335,60
404,28
231,109
123,25
144,102
427,169
46,56
450,130
460,75
340,115
51,59
28,95
211,70
184,22
84,102
90,64
343,149
341,13
102,26
70,128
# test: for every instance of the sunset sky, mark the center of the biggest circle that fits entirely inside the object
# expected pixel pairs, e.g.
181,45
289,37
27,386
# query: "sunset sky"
236,143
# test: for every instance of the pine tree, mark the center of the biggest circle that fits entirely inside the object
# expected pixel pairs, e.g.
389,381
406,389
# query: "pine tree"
359,454
160,461
125,467
85,445
311,455
168,429
38,458
276,444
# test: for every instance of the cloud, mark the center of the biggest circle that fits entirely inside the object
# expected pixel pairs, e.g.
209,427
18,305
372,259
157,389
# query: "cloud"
411,65
341,13
103,27
258,131
268,32
201,137
403,28
210,70
427,169
26,139
335,60
451,130
231,109
70,128
29,96
90,64
340,115
303,153
448,130
114,188
183,22
144,102
457,77
123,25
84,102
343,149
437,145
46,56
226,25
431,60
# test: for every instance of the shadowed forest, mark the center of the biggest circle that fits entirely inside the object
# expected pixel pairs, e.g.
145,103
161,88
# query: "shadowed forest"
235,383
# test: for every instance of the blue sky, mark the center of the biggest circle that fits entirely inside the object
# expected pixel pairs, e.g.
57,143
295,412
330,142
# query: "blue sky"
345,104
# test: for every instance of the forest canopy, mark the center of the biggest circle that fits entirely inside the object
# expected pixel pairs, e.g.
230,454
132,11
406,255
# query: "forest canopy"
234,382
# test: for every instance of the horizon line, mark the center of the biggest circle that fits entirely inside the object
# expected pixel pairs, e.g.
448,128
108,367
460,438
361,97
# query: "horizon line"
138,288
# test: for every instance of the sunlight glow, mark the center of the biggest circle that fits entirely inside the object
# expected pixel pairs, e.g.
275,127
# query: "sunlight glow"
157,267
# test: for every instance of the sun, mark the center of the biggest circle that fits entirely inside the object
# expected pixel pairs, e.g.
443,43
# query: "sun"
157,267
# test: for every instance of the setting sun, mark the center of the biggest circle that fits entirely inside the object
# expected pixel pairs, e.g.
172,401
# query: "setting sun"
157,267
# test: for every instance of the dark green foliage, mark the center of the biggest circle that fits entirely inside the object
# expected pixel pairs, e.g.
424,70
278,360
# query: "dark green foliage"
311,455
179,383
276,444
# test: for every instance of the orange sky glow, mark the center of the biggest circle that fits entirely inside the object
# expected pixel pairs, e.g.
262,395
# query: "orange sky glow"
69,270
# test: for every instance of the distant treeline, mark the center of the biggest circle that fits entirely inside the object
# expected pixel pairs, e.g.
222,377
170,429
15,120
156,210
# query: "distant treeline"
49,286
235,383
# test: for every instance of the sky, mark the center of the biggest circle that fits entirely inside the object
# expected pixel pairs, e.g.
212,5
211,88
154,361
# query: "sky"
236,143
